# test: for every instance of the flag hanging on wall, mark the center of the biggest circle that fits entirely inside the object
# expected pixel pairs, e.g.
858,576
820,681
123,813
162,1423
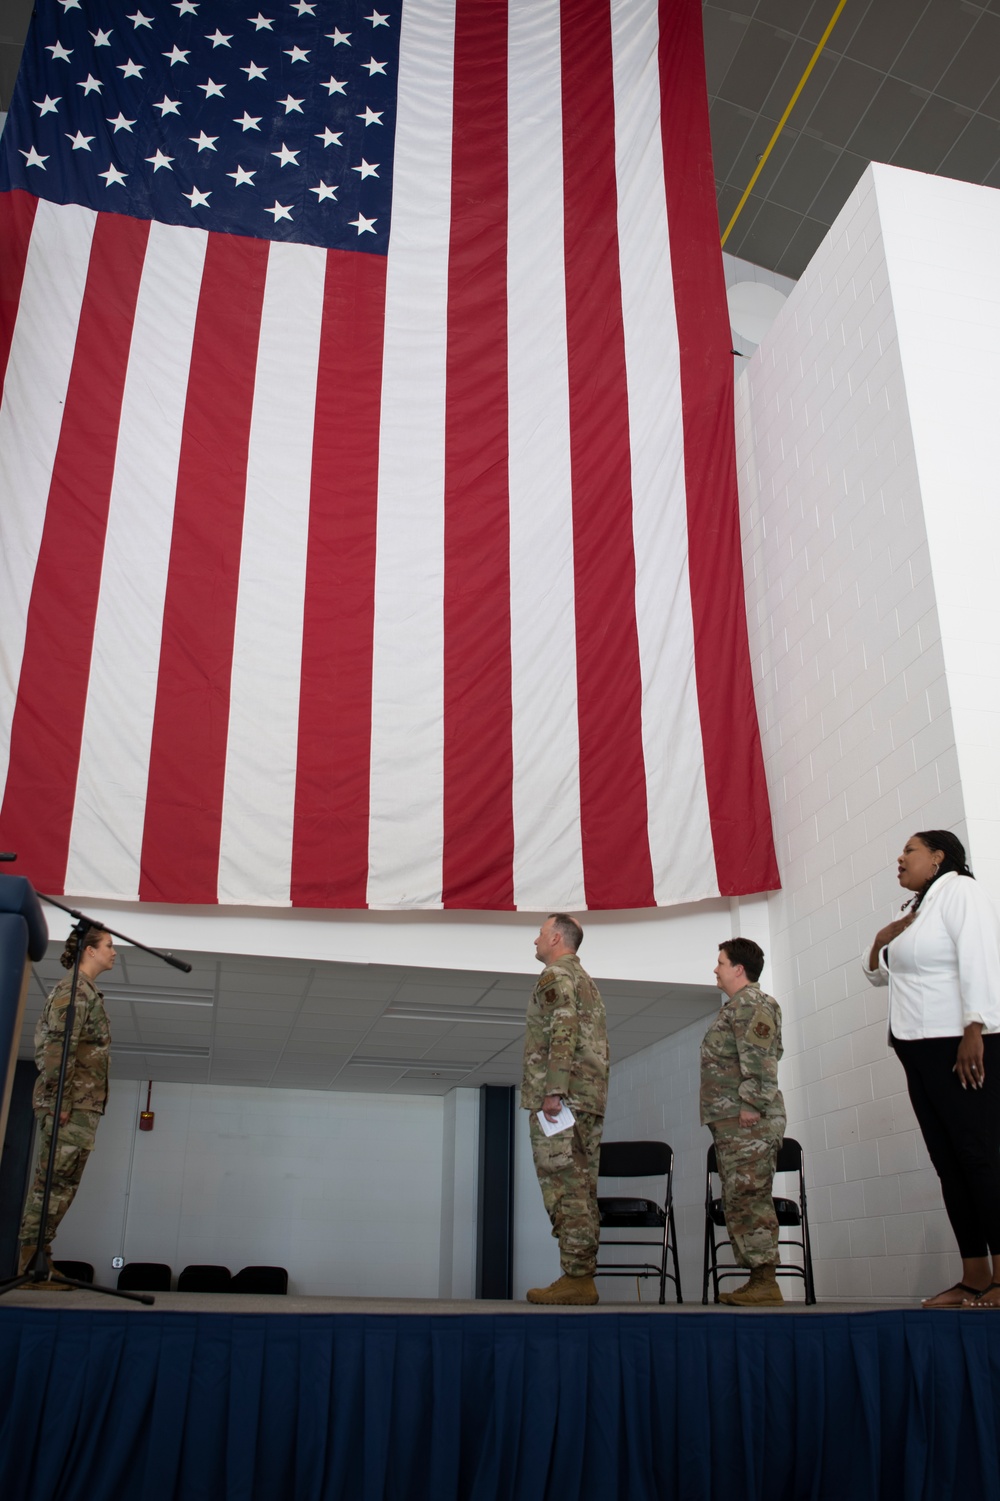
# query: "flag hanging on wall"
368,521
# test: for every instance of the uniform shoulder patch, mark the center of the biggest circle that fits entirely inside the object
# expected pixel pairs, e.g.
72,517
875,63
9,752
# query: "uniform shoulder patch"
761,1027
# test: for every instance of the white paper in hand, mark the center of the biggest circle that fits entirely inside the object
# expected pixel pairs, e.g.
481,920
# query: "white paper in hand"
562,1122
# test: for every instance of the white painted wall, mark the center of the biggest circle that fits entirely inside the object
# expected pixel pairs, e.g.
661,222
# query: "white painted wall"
345,1190
652,944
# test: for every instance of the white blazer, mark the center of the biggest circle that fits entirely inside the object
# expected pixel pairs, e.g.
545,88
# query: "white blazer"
943,971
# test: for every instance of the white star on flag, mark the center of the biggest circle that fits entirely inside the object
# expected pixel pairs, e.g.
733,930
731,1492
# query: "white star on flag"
32,159
47,106
197,198
79,142
160,160
280,211
363,225
112,177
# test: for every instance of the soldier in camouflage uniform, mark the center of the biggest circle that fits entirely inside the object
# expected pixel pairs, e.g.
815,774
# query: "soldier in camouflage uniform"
85,1091
566,1061
742,1106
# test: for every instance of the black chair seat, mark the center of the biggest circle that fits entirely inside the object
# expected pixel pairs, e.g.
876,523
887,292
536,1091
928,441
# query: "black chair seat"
786,1209
628,1214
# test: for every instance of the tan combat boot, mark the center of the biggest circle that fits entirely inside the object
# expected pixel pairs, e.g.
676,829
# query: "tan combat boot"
759,1292
571,1292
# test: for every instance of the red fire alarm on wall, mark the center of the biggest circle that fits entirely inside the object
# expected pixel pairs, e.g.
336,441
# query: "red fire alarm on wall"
147,1116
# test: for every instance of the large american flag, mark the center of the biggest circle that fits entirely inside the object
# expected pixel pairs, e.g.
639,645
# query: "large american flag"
369,526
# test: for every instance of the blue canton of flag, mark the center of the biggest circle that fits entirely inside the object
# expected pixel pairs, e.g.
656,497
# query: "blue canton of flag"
276,122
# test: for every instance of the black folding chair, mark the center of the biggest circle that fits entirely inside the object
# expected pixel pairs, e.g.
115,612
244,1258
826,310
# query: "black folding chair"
792,1215
260,1279
640,1159
145,1277
205,1279
80,1271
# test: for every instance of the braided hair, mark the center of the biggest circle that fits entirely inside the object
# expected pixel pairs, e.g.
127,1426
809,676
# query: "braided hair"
91,939
953,851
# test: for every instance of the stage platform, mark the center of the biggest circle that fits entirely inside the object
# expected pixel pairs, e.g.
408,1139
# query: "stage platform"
236,1398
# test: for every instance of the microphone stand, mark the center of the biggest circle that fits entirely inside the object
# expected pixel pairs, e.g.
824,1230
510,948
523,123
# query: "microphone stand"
38,1271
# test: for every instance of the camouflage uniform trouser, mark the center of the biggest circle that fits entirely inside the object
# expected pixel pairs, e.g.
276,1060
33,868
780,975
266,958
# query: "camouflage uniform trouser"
747,1156
76,1141
567,1165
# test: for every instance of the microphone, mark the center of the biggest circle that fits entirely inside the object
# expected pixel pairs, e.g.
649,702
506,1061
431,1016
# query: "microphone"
6,855
177,963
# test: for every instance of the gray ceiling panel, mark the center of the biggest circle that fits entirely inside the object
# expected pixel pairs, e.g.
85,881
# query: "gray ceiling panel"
972,73
942,30
892,111
931,136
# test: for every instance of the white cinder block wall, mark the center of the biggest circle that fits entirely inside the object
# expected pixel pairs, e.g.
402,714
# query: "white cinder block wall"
858,738
853,694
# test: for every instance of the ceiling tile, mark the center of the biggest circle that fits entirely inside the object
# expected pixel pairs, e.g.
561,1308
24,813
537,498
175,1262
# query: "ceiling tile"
723,34
805,170
886,121
758,58
883,32
974,155
838,110
940,31
972,73
930,137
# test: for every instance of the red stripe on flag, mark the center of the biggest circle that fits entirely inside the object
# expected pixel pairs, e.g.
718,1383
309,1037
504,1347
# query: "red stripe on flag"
55,679
332,786
478,857
180,846
736,786
616,859
17,215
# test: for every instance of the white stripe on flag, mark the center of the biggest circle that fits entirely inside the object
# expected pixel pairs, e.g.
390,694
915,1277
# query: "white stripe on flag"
110,806
548,853
31,413
678,818
406,832
255,857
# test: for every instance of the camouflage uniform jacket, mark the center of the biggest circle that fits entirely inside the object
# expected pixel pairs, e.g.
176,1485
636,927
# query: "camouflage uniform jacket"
87,1066
566,1042
739,1058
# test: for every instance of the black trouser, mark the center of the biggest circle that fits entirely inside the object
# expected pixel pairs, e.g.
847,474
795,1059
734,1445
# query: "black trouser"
962,1130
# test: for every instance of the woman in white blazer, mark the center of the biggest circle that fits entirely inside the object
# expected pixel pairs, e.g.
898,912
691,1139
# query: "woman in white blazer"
941,961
